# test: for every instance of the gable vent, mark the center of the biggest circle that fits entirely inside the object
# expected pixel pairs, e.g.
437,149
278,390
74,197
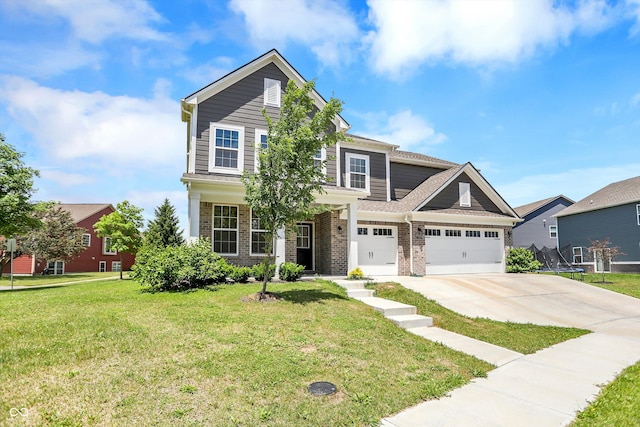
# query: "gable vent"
272,92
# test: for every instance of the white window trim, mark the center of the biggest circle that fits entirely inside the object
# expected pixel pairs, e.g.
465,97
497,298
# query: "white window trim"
553,229
464,191
251,230
271,85
100,264
104,247
323,158
258,134
237,230
88,245
118,263
638,213
55,266
347,167
573,250
212,148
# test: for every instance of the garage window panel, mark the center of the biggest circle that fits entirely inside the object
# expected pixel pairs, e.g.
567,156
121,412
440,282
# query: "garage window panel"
453,233
432,232
382,232
491,234
362,231
472,233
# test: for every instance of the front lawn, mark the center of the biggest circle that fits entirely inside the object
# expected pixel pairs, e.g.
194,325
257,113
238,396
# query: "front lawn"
40,280
628,284
106,353
523,338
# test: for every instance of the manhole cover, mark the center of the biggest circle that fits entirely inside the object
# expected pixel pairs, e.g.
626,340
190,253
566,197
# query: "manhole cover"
322,388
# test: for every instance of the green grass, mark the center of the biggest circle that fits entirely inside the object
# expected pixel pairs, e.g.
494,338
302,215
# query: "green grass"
53,279
106,353
618,404
523,338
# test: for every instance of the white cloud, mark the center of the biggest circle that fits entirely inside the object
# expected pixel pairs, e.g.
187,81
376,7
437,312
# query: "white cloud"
325,26
95,21
406,129
573,183
478,33
65,179
210,71
114,131
635,100
634,11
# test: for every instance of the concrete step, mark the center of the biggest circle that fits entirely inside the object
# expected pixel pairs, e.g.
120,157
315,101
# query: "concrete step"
359,293
388,308
411,321
351,284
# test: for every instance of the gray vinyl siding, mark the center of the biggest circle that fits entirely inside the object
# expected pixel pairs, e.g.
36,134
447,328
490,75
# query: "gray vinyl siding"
449,198
619,224
535,228
405,178
241,105
377,172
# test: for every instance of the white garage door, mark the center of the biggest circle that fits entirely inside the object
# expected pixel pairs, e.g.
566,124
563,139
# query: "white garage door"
378,250
464,250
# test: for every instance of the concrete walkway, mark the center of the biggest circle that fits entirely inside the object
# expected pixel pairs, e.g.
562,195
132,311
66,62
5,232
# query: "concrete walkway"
542,389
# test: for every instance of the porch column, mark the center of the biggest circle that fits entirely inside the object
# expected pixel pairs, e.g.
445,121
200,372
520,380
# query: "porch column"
280,249
352,236
194,217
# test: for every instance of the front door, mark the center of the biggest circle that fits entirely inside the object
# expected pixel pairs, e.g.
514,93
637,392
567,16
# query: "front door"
304,246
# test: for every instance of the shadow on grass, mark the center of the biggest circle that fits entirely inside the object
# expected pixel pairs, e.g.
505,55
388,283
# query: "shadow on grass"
33,288
305,296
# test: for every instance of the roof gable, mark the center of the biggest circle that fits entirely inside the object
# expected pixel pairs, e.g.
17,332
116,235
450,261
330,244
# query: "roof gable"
82,211
525,210
615,194
273,56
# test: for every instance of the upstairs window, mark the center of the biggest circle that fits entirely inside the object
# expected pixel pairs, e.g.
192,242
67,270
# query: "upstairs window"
357,171
86,240
226,148
577,255
638,213
464,189
553,231
272,90
261,143
107,248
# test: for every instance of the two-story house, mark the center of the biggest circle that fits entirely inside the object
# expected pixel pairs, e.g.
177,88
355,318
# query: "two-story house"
391,212
613,213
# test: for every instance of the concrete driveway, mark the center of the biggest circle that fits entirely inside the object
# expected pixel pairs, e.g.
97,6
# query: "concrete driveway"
533,298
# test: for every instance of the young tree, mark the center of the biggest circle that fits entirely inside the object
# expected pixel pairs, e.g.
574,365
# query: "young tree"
283,189
164,230
16,188
123,228
58,239
604,252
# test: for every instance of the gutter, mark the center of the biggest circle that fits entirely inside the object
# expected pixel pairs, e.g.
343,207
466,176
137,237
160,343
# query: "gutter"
187,112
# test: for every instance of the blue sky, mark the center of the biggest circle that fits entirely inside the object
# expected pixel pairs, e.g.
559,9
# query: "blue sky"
542,96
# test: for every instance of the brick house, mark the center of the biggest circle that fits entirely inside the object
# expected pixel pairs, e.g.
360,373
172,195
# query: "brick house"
391,212
98,256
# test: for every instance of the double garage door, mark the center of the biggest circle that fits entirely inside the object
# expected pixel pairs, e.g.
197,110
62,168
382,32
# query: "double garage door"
464,250
378,250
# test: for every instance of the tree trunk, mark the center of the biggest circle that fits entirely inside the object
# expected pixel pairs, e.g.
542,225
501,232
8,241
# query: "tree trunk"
121,265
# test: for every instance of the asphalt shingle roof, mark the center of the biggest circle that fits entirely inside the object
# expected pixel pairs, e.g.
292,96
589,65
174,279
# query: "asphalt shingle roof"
407,155
80,211
525,210
615,194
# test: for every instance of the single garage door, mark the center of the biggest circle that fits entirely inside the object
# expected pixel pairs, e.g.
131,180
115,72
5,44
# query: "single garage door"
464,250
378,250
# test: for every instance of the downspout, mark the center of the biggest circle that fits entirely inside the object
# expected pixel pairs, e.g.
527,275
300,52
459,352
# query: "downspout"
406,219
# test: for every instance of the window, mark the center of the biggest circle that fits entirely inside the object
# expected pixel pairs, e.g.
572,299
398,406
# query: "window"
116,266
272,89
106,246
55,267
357,171
472,233
226,148
432,232
86,240
303,239
491,234
464,189
382,232
225,230
638,213
362,231
258,237
577,255
453,233
102,267
261,143
553,231
319,158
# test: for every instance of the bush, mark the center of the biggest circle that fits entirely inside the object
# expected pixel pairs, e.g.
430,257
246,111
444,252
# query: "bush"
180,267
521,260
290,272
258,272
239,274
356,274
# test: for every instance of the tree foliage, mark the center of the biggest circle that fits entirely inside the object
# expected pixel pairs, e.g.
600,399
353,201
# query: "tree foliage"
521,260
283,189
123,227
164,229
59,238
16,188
603,252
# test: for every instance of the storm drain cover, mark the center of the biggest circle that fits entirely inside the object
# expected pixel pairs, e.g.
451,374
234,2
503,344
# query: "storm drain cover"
322,388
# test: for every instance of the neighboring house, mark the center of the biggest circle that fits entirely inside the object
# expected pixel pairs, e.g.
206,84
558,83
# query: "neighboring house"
391,212
613,213
539,227
98,255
